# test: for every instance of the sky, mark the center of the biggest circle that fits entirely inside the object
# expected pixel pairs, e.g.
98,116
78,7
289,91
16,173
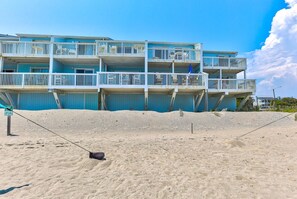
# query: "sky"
255,28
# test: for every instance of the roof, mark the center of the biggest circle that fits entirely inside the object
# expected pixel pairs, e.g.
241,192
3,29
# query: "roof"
63,36
175,43
7,37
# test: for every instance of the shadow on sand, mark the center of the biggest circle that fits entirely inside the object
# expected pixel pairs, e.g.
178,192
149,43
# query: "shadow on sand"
4,191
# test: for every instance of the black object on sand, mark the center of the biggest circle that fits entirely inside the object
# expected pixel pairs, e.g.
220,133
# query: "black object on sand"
97,155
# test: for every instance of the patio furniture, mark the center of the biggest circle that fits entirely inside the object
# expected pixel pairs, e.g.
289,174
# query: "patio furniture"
60,50
37,49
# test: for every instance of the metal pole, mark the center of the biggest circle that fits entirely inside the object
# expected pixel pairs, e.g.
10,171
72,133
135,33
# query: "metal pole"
273,94
8,125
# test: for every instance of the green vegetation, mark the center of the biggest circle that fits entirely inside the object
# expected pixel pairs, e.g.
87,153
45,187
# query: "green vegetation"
287,104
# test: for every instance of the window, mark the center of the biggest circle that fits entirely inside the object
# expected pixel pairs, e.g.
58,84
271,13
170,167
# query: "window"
8,70
84,80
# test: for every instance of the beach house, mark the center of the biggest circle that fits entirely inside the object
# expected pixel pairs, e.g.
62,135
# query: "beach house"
40,72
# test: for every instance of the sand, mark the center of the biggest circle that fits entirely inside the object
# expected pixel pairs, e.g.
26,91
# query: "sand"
149,155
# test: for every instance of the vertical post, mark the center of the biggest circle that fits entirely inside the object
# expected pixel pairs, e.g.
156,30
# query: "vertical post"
146,64
192,128
100,65
172,66
206,100
23,80
201,58
273,94
51,62
1,64
8,125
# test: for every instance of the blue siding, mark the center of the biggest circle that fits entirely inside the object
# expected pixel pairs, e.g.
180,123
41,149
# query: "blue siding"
184,102
13,67
207,54
154,45
91,101
57,67
72,100
26,68
159,102
125,102
37,101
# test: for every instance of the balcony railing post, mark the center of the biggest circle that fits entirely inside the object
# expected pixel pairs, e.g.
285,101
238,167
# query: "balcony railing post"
229,65
212,62
23,80
97,80
76,49
75,83
25,48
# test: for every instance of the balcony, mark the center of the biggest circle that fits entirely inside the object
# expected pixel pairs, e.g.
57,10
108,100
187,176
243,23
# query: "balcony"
74,80
232,84
30,49
177,55
74,49
23,80
122,79
181,80
224,63
116,48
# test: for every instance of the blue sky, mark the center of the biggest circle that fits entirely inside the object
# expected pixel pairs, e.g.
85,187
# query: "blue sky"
239,25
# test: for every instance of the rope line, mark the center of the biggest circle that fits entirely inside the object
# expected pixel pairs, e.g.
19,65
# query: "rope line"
264,126
51,131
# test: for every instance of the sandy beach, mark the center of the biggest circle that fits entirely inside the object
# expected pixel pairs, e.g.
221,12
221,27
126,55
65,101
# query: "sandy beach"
149,155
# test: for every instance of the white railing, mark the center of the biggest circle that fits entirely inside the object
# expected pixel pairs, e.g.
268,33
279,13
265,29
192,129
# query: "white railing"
77,80
224,62
23,79
176,79
170,54
121,78
121,48
25,48
73,79
75,49
232,84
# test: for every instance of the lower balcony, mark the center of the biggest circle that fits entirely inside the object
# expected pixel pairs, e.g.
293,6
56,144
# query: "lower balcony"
159,81
244,85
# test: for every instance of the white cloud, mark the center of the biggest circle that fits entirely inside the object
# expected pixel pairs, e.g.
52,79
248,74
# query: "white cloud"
275,64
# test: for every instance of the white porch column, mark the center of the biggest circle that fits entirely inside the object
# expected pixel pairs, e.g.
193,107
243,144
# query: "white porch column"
244,74
100,65
146,64
172,67
1,64
51,63
201,57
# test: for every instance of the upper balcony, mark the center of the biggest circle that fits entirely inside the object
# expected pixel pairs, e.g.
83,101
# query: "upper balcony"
25,49
63,49
173,54
121,48
224,63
